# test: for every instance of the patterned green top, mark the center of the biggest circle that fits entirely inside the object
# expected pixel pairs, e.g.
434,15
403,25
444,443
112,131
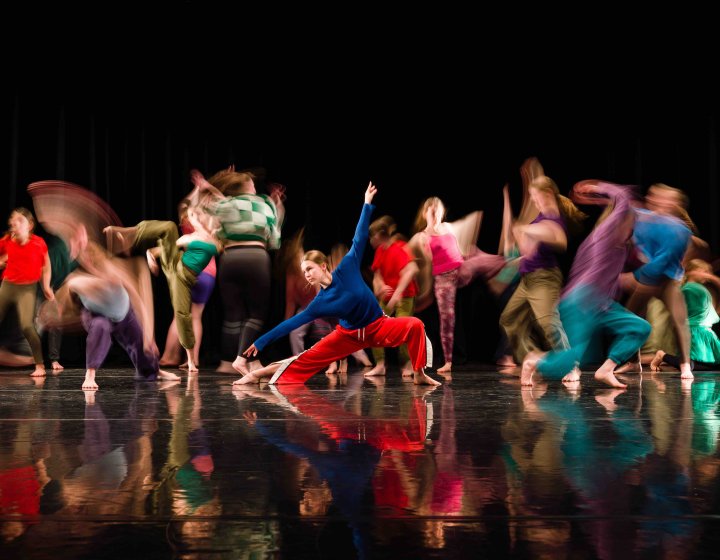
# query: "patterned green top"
249,217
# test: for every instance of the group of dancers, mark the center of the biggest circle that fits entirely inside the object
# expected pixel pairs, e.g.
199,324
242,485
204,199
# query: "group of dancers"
638,250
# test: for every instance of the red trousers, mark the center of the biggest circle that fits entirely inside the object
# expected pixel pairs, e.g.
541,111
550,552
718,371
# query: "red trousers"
383,332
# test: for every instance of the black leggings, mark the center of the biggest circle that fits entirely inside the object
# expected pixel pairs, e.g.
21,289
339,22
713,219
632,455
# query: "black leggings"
674,361
244,280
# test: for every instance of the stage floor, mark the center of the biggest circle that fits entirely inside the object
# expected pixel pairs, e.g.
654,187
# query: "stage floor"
348,467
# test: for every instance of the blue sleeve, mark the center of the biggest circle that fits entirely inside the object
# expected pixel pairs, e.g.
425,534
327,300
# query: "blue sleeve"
286,327
362,235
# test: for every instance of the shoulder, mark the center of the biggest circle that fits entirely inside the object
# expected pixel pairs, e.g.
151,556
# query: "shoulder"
38,241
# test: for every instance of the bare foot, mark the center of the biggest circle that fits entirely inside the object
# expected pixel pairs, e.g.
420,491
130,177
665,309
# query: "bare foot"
528,370
421,378
629,367
686,371
254,365
246,379
447,368
379,369
57,366
89,384
240,366
167,375
342,368
191,367
657,360
606,374
407,370
362,359
572,377
332,368
606,398
152,263
39,371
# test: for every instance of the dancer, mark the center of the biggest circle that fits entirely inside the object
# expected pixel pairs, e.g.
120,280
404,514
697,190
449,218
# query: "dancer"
456,261
702,315
587,307
181,268
393,283
345,295
26,260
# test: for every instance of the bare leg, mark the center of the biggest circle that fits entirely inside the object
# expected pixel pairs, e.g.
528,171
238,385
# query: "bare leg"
89,382
171,353
686,371
529,368
447,368
361,357
197,310
379,369
606,374
39,371
342,368
192,368
332,368
572,377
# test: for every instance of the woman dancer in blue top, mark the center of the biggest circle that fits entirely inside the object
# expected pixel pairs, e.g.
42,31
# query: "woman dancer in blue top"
345,295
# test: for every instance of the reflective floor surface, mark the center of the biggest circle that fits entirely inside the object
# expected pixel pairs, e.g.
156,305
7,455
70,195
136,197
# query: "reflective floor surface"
347,467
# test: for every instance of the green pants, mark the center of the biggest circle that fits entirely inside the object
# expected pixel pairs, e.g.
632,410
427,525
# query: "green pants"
404,308
23,297
180,278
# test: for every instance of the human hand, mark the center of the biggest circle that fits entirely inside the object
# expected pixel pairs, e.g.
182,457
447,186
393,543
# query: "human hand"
251,351
370,193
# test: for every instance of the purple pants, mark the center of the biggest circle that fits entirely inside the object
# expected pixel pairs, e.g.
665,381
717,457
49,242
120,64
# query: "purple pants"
127,333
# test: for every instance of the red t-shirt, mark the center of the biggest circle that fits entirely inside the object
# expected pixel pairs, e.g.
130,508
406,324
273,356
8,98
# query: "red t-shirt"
24,262
390,261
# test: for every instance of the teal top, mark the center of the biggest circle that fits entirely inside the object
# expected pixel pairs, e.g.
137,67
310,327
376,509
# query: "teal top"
704,343
198,254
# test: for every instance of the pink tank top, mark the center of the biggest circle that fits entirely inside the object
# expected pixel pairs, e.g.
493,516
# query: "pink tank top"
446,254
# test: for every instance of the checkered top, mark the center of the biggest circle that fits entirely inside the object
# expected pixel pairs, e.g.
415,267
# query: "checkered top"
249,217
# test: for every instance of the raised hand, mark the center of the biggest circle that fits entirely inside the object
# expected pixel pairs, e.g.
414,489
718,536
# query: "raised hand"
370,193
250,352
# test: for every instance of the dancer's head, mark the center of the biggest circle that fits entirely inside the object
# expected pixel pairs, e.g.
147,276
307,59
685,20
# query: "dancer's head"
233,183
381,231
314,266
544,193
431,213
21,223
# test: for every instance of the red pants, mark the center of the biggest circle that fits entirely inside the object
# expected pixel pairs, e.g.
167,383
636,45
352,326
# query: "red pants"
383,332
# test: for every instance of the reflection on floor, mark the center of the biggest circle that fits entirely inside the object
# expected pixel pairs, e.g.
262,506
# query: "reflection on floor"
348,467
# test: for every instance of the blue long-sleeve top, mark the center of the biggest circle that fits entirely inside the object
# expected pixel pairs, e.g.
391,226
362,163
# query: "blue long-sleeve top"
347,297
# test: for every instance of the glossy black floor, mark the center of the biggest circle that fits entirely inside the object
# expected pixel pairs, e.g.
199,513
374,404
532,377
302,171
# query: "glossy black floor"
346,467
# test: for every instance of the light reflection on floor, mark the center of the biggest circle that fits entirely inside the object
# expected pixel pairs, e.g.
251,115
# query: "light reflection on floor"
349,467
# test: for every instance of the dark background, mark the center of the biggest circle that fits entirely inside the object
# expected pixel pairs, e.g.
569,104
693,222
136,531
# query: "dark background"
426,106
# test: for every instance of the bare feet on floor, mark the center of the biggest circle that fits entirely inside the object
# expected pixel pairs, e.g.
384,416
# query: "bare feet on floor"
421,378
657,360
529,368
686,371
379,369
167,375
247,379
447,368
629,367
57,366
332,368
572,377
606,374
506,362
240,366
39,371
89,383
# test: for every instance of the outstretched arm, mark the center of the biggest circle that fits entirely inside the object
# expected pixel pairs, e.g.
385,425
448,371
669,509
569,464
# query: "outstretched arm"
362,231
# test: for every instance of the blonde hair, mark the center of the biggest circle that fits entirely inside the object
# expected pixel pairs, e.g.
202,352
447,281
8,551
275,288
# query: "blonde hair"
571,214
420,222
385,225
698,264
232,183
318,257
